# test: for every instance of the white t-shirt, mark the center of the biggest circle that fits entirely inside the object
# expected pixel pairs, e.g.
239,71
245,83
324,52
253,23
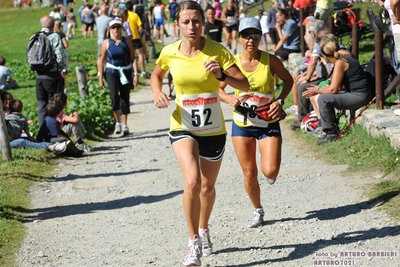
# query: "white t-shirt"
263,22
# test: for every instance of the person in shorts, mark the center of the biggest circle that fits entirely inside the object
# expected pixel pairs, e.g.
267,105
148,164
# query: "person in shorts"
249,127
197,128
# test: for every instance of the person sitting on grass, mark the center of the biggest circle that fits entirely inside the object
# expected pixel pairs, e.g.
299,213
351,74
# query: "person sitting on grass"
50,130
72,123
16,122
6,81
6,98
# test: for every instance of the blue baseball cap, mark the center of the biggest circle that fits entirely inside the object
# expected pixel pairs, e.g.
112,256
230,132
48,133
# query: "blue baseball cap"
249,23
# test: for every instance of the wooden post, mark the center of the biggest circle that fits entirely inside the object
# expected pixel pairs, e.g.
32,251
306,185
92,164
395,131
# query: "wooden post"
5,144
355,39
302,33
331,24
82,81
379,69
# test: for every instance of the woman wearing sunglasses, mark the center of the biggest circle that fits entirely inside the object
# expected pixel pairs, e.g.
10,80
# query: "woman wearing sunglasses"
120,56
348,89
250,124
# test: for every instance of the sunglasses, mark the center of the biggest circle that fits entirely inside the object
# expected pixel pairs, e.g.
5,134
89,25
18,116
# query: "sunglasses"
115,27
248,36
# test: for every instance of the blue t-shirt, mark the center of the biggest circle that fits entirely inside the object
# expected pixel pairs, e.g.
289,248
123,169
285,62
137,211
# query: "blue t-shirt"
292,30
49,129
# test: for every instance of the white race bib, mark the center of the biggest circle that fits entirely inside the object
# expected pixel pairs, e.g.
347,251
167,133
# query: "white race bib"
252,101
201,114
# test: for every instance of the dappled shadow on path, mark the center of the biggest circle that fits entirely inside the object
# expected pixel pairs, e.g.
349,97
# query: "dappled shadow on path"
101,175
302,250
84,208
343,211
306,249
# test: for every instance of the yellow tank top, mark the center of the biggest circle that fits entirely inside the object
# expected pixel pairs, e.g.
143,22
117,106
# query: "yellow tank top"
261,92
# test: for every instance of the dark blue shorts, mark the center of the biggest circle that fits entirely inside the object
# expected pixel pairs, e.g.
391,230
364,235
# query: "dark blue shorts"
273,129
211,148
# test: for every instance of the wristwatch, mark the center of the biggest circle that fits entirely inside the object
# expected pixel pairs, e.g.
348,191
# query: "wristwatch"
281,102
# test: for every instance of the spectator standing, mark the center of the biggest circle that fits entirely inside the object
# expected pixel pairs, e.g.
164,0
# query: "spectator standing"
89,18
71,24
271,22
136,28
119,54
325,9
259,67
263,17
6,80
172,14
199,141
218,8
59,31
50,82
102,22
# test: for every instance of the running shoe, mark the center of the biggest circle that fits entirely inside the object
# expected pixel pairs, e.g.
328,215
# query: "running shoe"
257,218
117,128
145,75
206,244
59,148
84,147
126,130
193,253
292,109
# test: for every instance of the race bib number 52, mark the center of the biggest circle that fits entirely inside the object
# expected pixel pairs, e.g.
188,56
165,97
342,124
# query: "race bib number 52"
201,114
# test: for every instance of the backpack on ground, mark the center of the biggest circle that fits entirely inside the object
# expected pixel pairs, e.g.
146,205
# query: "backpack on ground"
40,53
344,20
388,72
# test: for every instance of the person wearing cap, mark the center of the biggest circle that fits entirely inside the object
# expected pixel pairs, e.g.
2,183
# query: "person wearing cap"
197,127
248,127
118,56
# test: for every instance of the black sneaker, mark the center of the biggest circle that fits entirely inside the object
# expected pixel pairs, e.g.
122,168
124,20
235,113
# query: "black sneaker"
295,125
326,137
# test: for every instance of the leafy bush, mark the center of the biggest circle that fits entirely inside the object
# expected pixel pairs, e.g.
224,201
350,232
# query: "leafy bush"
95,110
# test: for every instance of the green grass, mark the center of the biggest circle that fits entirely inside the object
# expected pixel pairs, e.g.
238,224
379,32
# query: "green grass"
29,165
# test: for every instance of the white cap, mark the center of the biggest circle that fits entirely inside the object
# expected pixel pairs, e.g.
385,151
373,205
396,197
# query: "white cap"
113,22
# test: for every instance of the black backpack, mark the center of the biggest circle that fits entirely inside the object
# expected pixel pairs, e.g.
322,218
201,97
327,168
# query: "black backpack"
40,53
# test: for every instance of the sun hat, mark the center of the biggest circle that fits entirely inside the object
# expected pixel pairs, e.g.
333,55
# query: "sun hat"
249,23
114,22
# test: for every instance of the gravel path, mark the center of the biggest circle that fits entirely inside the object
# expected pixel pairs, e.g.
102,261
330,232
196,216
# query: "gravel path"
121,206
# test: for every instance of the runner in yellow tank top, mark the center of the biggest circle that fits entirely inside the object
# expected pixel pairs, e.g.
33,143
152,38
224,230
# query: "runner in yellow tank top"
197,133
248,127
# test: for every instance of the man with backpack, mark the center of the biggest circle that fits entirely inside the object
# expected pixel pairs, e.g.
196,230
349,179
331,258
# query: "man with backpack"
47,57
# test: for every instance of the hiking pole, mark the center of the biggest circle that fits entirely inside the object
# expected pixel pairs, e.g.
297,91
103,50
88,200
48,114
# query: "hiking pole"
355,118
